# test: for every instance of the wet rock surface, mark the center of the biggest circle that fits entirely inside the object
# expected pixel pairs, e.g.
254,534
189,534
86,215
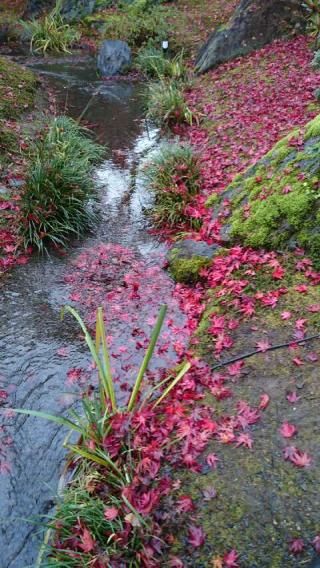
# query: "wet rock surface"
189,248
114,58
255,23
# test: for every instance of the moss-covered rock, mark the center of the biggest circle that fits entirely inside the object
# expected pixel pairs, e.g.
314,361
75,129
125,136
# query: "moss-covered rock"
275,204
188,270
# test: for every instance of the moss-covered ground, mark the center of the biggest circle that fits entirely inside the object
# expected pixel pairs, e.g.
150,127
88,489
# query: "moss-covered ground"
262,502
18,88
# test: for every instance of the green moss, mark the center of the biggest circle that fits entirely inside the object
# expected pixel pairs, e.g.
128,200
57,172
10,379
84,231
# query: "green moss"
187,270
313,128
275,203
17,89
258,492
212,200
8,139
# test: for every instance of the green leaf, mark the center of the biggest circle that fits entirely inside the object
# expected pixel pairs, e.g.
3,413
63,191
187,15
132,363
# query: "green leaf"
175,381
148,355
58,419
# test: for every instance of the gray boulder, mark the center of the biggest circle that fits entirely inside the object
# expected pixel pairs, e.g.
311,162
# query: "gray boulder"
114,57
254,24
190,248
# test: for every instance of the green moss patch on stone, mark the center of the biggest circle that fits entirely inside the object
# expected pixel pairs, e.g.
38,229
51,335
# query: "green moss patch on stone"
275,204
188,270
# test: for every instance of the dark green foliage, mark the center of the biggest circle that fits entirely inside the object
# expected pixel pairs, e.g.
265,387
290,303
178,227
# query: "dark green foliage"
312,8
137,24
54,205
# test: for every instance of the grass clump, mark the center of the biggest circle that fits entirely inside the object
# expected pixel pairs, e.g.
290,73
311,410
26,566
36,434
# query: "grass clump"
54,205
103,516
173,176
50,33
167,104
152,62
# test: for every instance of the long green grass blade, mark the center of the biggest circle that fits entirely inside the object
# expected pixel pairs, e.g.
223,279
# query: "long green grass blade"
92,348
101,460
57,419
148,355
178,378
106,358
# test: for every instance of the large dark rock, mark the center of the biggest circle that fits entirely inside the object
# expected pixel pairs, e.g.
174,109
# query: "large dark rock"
114,57
72,10
254,24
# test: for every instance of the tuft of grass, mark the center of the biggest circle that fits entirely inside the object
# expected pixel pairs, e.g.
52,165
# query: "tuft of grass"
151,62
173,176
104,463
59,187
167,104
50,33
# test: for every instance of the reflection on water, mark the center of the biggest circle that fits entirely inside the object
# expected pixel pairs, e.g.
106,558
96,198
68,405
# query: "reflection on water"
33,361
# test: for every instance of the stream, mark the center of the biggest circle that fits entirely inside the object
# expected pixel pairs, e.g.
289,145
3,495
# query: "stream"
44,363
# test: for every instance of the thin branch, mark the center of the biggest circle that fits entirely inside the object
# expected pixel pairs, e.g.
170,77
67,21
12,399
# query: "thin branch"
272,348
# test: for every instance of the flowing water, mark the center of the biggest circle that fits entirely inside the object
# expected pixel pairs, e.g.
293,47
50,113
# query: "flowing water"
36,349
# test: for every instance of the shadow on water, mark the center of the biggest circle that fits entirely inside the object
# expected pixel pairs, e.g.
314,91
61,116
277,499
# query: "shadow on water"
31,369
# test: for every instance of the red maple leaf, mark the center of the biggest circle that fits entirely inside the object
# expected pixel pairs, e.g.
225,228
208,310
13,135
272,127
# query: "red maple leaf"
292,397
263,345
297,361
301,459
302,288
88,543
111,513
196,536
298,458
231,559
288,430
278,273
185,504
297,546
212,460
264,401
316,543
244,440
286,315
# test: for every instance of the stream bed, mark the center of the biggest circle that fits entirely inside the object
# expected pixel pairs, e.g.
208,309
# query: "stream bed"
44,363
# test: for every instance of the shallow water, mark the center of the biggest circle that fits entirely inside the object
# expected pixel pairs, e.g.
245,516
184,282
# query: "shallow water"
32,369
